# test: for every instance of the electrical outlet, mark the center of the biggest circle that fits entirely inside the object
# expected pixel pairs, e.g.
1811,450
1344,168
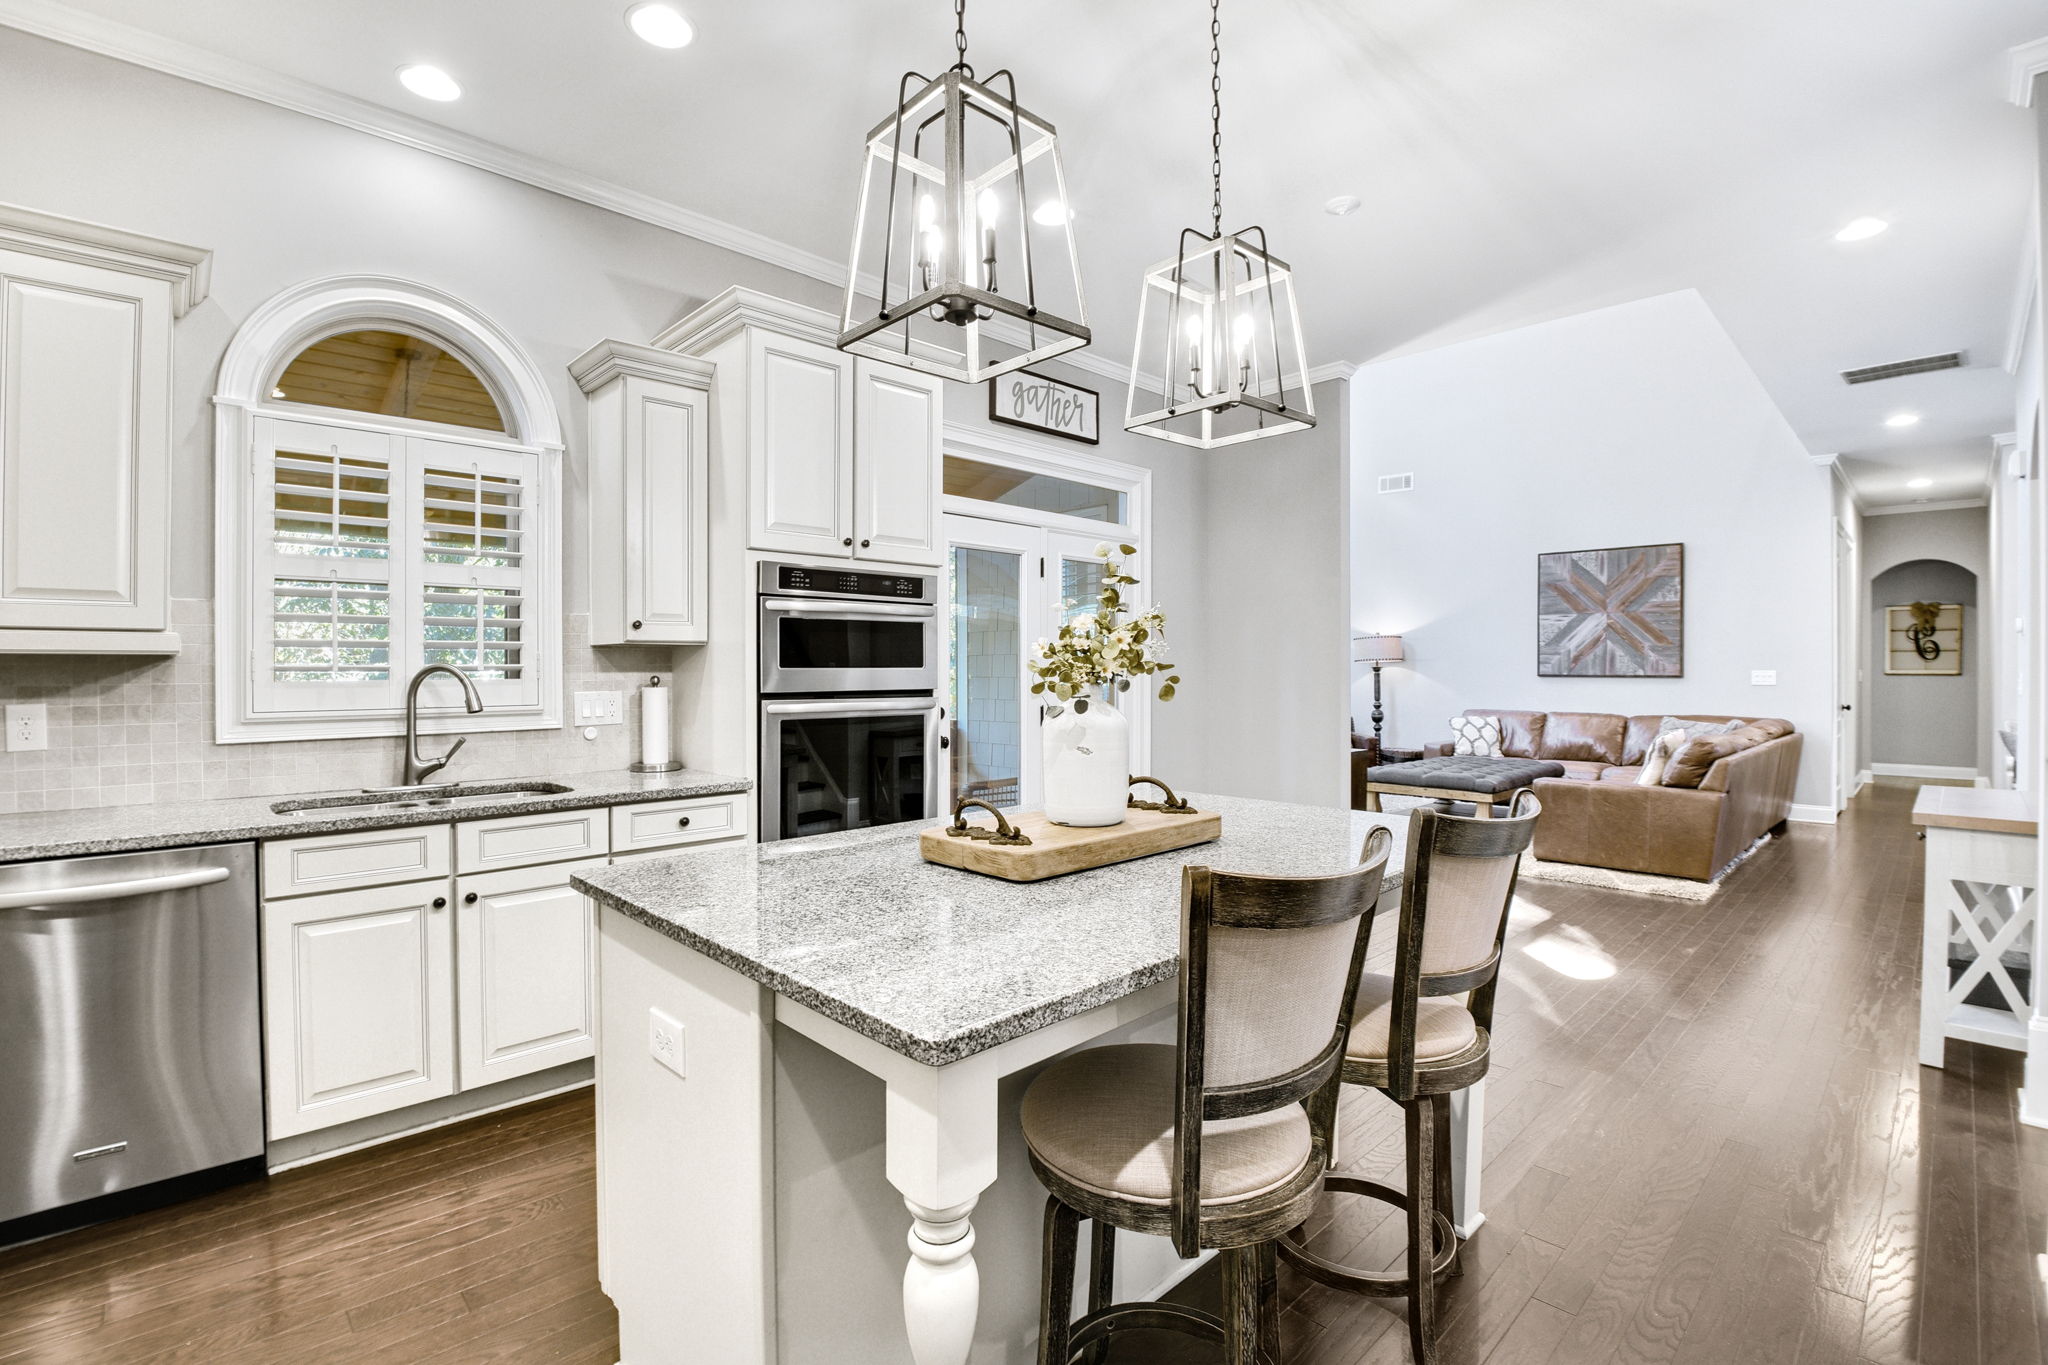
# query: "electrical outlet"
1763,677
600,708
28,727
665,1040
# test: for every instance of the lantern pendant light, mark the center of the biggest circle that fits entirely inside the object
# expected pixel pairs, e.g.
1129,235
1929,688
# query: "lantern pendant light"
963,261
1219,357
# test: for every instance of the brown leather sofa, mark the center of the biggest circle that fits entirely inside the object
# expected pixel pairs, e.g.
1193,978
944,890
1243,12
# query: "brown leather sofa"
1596,814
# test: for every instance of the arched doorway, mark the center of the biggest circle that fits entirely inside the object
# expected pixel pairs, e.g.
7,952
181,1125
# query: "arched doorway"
1924,725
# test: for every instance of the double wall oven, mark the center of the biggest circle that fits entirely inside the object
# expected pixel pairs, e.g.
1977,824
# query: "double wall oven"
851,725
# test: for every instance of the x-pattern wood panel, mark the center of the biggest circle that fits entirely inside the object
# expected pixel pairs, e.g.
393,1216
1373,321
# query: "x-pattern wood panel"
1611,613
1982,906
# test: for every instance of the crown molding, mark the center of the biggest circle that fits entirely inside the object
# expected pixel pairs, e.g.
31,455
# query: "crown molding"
738,308
1831,460
125,42
1336,369
609,360
2028,60
1951,505
187,269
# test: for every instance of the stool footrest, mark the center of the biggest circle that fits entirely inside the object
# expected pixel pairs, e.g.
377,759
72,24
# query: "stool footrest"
1380,1284
1152,1315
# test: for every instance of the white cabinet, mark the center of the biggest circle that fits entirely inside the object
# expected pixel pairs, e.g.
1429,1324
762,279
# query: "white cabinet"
666,824
649,463
85,433
525,982
358,1004
840,458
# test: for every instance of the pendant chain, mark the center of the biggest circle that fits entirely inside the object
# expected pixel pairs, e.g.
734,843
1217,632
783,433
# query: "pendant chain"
1215,116
960,32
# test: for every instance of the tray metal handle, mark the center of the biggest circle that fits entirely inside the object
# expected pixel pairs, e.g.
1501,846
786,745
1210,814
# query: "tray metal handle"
1004,835
1172,805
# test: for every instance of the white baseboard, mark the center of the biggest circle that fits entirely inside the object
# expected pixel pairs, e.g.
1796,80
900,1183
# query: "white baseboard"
1932,771
1863,779
305,1148
1811,815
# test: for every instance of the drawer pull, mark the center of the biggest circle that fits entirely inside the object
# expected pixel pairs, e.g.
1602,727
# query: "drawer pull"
683,823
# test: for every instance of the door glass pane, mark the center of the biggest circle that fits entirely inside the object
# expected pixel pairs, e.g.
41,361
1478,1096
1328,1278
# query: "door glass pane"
1080,586
967,478
849,772
984,587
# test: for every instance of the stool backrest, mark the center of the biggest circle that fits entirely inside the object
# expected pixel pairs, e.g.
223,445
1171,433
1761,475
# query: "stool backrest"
1456,888
1269,972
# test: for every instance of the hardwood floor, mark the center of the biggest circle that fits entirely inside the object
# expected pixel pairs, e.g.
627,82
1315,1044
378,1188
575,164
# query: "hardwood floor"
1709,1141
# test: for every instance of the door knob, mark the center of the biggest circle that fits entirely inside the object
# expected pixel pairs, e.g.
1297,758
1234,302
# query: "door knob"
1847,707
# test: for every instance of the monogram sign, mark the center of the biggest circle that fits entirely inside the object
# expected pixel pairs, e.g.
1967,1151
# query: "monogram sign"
1023,399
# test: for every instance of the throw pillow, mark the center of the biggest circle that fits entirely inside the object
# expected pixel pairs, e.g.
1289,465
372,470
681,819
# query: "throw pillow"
1698,729
1689,765
1475,736
1659,757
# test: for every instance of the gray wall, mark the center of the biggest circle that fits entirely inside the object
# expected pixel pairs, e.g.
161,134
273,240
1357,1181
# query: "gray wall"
1633,425
1954,535
1930,721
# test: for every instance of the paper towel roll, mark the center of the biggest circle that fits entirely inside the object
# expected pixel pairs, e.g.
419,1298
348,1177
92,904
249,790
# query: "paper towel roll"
654,745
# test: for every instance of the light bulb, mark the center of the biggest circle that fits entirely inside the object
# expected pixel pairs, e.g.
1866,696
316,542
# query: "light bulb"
927,211
1052,213
990,208
1241,332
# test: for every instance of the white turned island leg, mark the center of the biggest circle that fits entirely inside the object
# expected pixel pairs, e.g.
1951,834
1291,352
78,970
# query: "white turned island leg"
1468,1124
941,1285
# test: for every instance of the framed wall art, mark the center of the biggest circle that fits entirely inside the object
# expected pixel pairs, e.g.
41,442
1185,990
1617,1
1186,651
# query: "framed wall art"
1023,399
1923,639
1616,613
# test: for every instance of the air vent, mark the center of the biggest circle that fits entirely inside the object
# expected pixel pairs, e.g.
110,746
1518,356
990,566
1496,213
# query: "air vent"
1925,364
1396,483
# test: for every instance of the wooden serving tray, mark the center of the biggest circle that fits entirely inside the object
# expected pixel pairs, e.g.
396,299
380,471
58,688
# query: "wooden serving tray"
1055,850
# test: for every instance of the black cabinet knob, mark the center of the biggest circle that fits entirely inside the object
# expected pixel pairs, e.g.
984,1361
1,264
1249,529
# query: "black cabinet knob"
683,823
847,541
470,899
864,544
440,902
944,742
636,625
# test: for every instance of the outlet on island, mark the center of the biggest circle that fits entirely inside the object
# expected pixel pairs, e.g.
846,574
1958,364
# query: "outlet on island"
665,1040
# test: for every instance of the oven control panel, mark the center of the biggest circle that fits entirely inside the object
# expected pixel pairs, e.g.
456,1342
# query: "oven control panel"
813,580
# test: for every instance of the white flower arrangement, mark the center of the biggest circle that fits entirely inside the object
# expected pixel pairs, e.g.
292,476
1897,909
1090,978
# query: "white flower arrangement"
1102,648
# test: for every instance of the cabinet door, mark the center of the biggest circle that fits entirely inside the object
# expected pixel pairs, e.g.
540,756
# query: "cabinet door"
799,446
524,981
84,446
899,418
667,517
359,1007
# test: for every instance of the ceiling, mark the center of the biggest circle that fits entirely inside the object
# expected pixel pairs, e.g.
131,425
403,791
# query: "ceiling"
1517,162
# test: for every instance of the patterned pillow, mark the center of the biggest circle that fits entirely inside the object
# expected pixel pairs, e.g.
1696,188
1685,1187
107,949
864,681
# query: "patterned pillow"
1475,736
1698,729
1655,761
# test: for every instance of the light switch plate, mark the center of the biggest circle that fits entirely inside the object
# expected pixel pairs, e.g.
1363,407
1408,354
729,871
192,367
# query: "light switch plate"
600,708
28,727
1763,677
665,1039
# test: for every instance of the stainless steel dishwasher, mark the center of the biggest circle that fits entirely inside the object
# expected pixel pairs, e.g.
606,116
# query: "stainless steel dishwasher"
131,1065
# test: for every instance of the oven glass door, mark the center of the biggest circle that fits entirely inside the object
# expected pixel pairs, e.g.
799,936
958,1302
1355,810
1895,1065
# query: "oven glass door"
839,765
808,645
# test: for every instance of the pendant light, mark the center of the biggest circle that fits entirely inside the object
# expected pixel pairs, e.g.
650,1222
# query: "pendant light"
1219,357
963,260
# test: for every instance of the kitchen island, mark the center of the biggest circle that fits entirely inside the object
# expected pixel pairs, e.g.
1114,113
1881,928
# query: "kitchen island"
788,1029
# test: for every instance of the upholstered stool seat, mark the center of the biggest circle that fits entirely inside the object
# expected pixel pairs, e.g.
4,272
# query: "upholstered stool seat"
1103,1119
1443,1028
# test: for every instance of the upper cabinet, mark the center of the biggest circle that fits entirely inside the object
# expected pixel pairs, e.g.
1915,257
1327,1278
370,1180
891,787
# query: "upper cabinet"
649,494
841,457
85,433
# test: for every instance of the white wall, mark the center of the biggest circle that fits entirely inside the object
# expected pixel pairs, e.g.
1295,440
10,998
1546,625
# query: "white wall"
1955,535
1931,721
1638,424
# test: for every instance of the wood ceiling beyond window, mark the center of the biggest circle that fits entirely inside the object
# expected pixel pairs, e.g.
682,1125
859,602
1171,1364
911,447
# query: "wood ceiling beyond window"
390,373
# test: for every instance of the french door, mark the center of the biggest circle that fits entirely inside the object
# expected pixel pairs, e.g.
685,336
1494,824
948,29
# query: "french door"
1008,586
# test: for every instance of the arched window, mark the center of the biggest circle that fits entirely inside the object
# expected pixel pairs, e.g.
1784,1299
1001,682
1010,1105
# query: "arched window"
388,476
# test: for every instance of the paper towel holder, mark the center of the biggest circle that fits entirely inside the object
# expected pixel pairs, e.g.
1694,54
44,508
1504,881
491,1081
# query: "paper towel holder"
671,765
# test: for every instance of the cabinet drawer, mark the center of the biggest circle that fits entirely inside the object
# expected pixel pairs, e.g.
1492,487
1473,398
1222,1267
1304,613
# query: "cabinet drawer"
522,840
664,824
358,858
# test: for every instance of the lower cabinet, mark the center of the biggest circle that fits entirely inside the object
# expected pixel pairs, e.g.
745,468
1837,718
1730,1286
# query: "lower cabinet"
525,972
358,1003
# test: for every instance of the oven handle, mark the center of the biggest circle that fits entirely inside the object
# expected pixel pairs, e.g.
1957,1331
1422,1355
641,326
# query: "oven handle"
854,706
810,609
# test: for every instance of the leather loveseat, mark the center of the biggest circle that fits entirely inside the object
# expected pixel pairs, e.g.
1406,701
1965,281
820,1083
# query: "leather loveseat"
1597,815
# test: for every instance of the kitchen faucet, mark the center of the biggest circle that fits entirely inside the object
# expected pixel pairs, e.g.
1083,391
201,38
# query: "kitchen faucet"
417,768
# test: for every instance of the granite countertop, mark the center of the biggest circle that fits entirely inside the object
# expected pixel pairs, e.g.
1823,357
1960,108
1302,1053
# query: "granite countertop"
179,824
938,963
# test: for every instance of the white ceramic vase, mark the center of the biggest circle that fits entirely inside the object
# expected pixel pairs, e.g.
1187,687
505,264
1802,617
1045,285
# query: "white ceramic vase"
1087,763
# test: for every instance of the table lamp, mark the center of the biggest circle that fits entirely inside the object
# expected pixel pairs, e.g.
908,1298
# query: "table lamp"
1376,650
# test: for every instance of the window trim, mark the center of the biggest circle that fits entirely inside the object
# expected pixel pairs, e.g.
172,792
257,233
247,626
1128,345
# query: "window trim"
264,345
1039,457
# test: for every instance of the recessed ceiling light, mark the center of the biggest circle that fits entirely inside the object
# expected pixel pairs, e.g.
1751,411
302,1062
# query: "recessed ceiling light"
429,83
660,25
1903,419
1919,483
1343,204
1052,213
1862,230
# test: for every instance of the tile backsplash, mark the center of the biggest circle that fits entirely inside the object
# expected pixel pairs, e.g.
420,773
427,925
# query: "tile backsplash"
128,730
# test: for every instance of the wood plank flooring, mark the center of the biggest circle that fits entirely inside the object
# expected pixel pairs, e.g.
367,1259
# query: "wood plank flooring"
1708,1141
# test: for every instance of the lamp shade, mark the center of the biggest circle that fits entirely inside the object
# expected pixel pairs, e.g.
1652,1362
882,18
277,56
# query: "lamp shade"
1376,649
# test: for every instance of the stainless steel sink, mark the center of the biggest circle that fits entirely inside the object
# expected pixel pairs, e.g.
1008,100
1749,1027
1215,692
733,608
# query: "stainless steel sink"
445,794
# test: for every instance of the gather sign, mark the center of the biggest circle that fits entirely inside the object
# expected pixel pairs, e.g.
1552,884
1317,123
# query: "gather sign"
1023,399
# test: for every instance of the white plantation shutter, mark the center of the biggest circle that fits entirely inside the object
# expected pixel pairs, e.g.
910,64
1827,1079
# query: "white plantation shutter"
476,589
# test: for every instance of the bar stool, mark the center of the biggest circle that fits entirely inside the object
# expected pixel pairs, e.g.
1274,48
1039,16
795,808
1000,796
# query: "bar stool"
1220,1140
1415,1047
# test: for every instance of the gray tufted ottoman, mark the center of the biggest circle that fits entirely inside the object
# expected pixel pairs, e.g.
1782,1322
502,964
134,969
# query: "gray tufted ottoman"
1485,782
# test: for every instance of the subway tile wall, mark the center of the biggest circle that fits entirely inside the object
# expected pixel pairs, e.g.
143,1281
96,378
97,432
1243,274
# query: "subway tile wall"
128,730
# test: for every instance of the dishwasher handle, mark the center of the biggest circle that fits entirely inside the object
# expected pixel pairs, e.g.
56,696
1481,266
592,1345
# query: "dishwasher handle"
111,891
